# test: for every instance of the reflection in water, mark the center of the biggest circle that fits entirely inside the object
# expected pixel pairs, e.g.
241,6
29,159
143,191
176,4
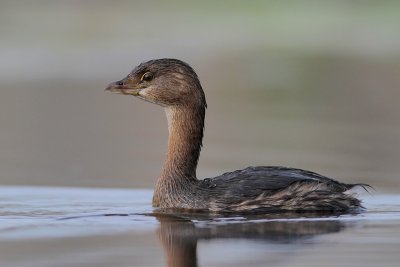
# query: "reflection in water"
179,235
179,239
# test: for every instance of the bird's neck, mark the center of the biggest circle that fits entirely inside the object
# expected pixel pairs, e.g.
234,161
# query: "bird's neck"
185,127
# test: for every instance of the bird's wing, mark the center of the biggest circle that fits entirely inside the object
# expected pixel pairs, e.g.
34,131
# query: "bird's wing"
253,181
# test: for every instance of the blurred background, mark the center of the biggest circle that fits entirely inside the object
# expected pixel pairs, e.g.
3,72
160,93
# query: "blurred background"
306,84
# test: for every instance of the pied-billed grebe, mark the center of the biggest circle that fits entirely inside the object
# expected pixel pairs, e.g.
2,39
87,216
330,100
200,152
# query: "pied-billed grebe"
174,85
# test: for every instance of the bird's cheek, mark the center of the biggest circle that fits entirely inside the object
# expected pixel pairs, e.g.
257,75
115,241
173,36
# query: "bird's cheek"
147,94
144,93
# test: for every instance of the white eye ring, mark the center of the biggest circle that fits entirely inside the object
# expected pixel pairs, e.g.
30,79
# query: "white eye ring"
148,76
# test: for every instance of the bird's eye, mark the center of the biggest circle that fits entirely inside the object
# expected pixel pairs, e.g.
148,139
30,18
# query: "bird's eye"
148,76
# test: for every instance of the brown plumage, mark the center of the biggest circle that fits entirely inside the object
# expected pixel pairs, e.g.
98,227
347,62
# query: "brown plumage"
174,85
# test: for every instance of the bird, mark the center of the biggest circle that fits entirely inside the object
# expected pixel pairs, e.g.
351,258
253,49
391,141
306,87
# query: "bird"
175,86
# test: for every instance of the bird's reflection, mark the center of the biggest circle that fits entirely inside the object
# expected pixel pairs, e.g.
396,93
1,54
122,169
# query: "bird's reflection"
179,234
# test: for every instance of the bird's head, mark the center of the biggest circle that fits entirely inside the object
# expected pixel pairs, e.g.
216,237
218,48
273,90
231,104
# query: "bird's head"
166,82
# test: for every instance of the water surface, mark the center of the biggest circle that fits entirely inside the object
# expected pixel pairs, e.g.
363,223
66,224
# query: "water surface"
44,226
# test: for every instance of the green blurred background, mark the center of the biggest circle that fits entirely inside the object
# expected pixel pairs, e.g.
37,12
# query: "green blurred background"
307,84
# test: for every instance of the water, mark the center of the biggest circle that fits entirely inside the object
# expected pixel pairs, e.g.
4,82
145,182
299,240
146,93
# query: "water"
44,226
